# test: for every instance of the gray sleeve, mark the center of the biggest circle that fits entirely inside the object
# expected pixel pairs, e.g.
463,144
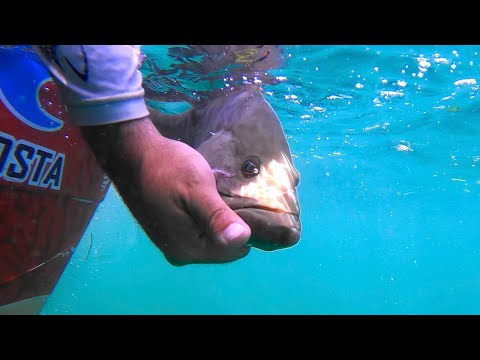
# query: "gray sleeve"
99,84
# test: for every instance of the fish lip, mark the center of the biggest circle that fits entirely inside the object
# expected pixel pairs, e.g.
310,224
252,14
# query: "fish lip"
254,206
283,231
269,209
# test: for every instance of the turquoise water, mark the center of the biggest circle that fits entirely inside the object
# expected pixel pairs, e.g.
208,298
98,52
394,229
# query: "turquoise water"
386,139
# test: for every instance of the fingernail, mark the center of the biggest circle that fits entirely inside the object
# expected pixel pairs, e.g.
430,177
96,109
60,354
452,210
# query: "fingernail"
233,231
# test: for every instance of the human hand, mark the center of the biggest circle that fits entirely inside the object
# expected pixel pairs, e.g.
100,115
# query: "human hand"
170,190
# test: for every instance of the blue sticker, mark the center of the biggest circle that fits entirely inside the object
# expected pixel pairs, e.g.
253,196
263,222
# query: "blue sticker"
22,75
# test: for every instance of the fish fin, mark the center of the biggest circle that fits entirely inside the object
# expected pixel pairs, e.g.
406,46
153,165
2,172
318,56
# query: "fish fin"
218,173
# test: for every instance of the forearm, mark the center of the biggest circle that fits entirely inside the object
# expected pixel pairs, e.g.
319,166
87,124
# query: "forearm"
122,149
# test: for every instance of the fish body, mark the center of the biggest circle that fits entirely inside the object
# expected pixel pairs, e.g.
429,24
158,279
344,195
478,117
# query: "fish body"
242,138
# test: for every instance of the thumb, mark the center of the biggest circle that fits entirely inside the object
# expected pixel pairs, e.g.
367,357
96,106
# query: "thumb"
220,222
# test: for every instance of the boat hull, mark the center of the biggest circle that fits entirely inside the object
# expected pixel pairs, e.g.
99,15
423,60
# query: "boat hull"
50,183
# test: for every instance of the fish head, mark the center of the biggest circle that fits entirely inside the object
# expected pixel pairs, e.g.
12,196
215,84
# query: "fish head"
255,175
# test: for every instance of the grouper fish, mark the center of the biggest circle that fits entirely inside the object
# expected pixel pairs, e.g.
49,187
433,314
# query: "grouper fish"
242,138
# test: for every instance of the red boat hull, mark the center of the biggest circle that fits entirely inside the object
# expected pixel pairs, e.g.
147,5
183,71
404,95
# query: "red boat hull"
50,183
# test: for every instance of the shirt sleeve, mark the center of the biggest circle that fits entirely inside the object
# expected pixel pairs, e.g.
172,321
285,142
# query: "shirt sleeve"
99,84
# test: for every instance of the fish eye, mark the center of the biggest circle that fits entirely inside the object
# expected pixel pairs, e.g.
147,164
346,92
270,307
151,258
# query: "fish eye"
249,169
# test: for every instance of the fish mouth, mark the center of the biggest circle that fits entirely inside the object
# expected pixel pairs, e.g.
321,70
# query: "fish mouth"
272,229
